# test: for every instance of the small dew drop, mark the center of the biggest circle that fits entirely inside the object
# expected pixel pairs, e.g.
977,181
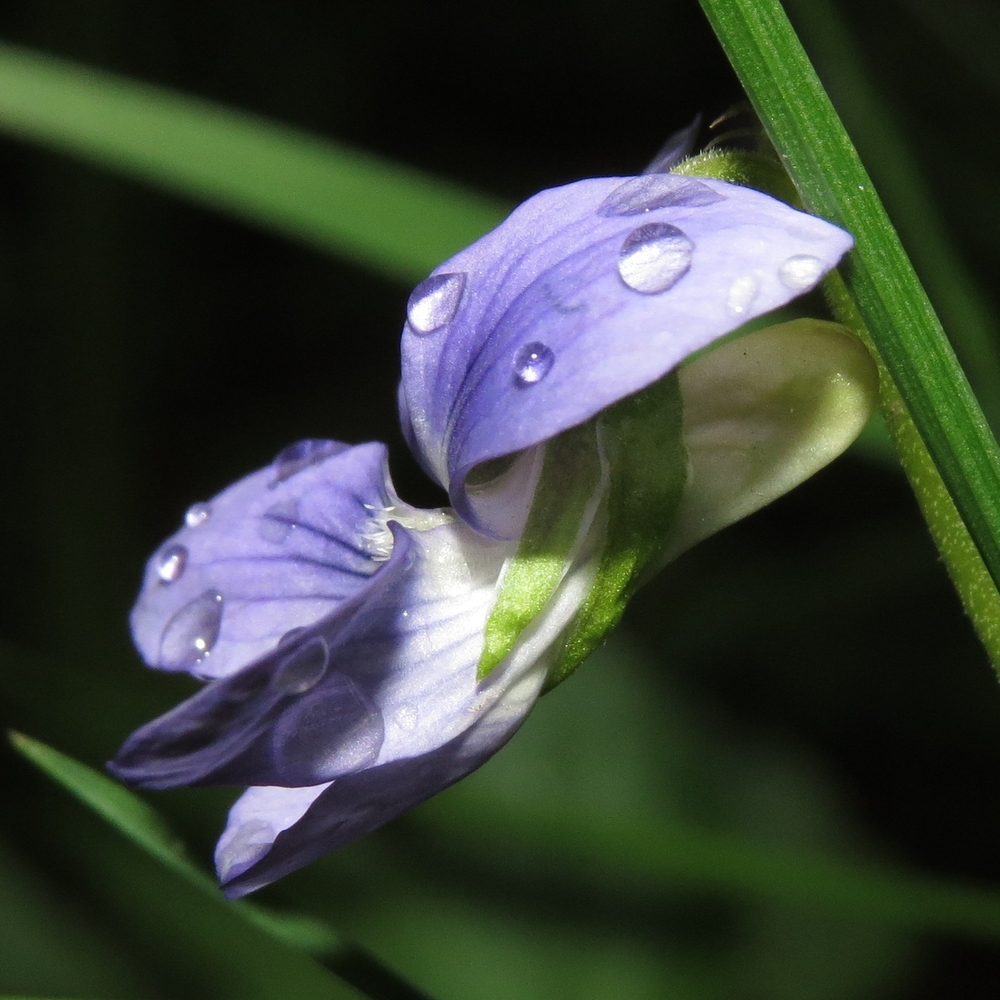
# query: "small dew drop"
302,669
801,272
532,362
649,192
197,514
171,563
278,521
742,292
192,632
654,258
301,455
434,302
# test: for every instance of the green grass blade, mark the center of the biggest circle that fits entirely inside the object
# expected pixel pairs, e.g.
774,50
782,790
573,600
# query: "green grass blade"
963,308
645,852
824,165
141,824
387,216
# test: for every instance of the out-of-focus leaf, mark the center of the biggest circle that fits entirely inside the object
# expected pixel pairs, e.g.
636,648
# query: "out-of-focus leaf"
385,215
143,825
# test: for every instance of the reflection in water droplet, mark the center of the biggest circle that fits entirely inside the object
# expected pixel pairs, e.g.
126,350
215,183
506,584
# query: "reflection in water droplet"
532,363
651,191
170,565
742,292
434,302
801,272
302,454
192,632
197,514
334,730
278,521
654,258
302,670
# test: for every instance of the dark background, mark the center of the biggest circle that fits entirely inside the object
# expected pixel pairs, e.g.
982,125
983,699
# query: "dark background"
152,352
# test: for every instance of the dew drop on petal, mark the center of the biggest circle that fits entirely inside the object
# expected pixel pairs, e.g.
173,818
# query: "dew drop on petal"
192,632
434,302
292,633
197,514
331,732
171,562
801,272
639,195
532,362
278,521
302,669
654,258
742,292
301,455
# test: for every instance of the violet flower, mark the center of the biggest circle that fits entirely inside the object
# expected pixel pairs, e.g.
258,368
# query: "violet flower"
363,654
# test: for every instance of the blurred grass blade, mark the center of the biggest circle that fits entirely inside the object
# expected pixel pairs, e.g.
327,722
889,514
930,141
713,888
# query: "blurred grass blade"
963,308
387,216
825,167
639,851
143,825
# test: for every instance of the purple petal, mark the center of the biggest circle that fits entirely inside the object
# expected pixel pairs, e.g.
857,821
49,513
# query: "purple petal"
389,673
276,551
585,295
274,831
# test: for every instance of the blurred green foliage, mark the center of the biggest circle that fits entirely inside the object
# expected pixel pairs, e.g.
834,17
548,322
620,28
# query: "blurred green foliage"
804,683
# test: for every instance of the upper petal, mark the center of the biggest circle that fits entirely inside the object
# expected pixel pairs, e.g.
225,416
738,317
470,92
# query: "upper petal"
275,551
584,295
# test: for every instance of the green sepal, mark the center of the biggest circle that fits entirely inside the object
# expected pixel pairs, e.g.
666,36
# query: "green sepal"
748,168
607,491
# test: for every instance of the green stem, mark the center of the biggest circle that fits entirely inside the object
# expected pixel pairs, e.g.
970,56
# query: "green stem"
945,443
966,568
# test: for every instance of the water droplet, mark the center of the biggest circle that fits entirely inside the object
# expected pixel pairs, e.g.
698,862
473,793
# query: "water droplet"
801,272
742,292
278,521
651,191
532,363
171,563
434,302
331,732
406,717
654,258
301,455
197,514
292,633
302,669
192,632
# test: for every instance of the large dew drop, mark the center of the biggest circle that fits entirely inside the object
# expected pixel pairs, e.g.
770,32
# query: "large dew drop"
303,669
801,272
192,632
331,732
654,258
434,302
639,195
171,562
532,363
